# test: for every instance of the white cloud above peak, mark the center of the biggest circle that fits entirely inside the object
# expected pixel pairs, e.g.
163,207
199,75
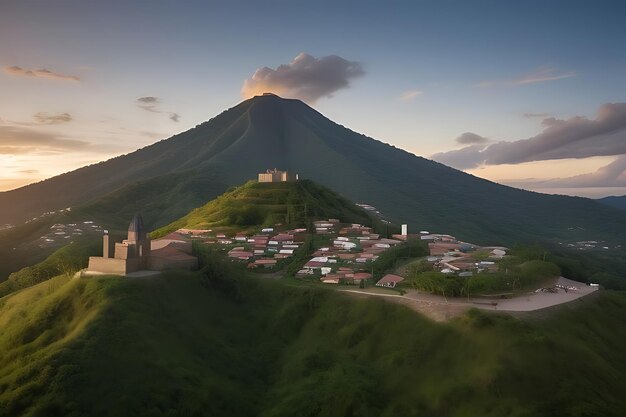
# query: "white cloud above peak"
306,78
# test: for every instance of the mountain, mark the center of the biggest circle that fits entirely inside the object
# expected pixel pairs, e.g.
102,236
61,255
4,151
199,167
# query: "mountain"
614,201
173,176
197,345
257,204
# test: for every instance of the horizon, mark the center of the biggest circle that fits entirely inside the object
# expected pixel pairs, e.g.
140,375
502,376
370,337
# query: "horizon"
471,88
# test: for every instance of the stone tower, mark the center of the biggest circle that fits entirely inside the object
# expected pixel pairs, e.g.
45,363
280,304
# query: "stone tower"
138,241
136,230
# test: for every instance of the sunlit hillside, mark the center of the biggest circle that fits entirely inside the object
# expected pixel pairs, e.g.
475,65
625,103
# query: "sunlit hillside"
192,345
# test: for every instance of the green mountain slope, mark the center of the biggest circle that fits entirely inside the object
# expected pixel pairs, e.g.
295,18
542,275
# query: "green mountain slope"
266,204
192,345
171,177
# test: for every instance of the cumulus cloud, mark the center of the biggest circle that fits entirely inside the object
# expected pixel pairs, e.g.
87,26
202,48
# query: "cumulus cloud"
576,137
52,119
410,95
468,138
306,78
39,73
153,104
539,76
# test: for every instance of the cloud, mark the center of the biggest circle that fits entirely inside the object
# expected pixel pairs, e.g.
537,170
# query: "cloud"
410,95
39,73
18,140
22,140
52,119
536,115
28,171
306,78
152,104
539,76
471,138
148,103
576,137
611,175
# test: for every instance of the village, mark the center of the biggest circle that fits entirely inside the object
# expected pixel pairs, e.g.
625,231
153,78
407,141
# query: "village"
345,252
325,252
339,253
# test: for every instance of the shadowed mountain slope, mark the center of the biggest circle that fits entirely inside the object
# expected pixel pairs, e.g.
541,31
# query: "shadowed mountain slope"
614,201
265,132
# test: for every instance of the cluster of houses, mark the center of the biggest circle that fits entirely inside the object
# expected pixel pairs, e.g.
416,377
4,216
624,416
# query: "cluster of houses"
588,245
266,249
351,248
345,257
61,234
451,256
261,250
49,213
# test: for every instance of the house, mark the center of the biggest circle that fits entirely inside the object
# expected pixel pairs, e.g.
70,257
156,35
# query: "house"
265,262
389,281
283,237
313,265
277,176
170,257
358,277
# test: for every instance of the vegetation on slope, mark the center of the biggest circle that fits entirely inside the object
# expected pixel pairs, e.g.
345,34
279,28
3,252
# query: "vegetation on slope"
524,269
614,201
218,344
266,132
171,177
604,267
65,261
254,204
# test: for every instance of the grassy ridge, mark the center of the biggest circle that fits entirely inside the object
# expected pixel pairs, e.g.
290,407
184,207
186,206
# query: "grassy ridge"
192,344
266,204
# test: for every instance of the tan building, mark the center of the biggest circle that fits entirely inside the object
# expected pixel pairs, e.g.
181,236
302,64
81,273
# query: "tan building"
277,176
135,253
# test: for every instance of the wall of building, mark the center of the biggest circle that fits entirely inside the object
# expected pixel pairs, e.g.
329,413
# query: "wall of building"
276,176
161,264
113,265
181,245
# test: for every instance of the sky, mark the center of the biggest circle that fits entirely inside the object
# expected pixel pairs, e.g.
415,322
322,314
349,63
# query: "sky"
530,94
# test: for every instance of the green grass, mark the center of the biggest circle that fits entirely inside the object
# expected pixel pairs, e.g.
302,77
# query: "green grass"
254,204
216,343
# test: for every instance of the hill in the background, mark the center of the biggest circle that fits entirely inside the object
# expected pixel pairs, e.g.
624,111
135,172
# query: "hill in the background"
166,180
615,201
192,345
254,204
